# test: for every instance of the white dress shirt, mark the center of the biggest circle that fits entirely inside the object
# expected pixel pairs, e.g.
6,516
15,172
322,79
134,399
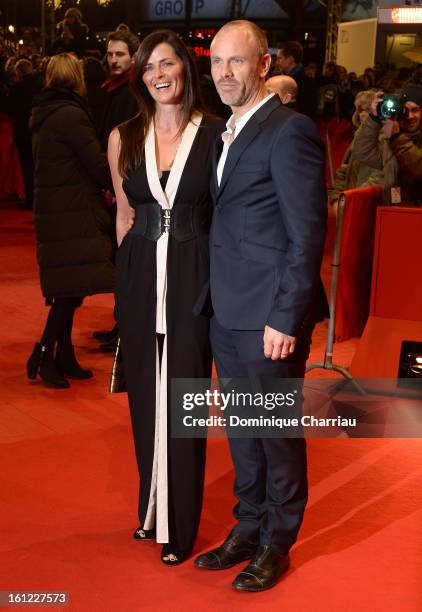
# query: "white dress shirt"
234,127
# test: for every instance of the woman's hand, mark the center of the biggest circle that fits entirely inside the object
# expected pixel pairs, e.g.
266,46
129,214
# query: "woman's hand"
124,222
125,213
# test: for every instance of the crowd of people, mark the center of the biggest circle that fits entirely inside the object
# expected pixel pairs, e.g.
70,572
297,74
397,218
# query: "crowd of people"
128,173
331,96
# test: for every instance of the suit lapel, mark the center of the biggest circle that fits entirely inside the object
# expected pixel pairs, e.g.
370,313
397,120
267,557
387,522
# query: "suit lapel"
240,143
217,148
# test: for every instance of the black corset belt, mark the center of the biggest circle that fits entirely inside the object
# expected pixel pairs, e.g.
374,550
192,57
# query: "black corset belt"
183,222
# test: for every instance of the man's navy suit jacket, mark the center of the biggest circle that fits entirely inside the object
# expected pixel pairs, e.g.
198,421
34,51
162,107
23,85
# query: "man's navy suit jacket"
269,224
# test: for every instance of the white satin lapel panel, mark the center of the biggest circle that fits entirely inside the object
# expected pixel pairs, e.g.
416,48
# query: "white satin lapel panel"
166,198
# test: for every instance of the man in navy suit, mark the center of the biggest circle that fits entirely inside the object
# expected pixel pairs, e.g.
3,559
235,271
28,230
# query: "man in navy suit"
266,247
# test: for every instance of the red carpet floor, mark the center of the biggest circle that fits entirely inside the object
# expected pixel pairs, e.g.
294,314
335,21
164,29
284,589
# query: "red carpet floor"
68,489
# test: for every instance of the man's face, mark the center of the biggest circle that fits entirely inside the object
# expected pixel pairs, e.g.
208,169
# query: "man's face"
118,57
237,69
284,64
413,117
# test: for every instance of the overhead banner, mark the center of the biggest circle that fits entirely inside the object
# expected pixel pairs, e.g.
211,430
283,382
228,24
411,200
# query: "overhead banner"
169,10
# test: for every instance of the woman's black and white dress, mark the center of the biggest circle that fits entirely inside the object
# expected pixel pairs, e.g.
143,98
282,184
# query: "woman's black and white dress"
158,283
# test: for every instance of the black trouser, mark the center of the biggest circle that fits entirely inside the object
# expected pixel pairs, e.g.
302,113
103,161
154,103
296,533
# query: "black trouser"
27,166
58,327
270,473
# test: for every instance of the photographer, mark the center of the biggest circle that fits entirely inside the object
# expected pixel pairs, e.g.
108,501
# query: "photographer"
353,173
400,155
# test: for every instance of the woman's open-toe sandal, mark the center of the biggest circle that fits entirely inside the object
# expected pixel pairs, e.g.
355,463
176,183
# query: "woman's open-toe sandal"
144,534
172,556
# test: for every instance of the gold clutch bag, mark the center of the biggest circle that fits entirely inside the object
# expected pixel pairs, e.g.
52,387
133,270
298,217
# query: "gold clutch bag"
118,379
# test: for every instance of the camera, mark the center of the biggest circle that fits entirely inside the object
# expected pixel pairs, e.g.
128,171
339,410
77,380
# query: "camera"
391,105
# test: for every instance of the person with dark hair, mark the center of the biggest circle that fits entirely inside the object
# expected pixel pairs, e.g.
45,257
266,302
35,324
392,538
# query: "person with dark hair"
289,55
161,168
121,104
21,96
289,62
329,74
94,75
72,226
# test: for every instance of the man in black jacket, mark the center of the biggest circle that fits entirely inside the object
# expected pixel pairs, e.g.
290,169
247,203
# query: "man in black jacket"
289,62
121,105
266,246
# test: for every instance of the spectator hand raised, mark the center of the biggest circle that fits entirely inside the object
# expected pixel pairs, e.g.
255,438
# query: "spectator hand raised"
391,127
379,96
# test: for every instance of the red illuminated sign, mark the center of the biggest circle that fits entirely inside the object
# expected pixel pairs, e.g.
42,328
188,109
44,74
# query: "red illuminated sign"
201,52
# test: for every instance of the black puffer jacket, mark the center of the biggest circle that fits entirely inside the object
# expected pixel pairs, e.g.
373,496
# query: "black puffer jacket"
73,226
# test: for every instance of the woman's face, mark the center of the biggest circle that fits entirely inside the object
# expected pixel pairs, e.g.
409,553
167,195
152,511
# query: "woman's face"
164,75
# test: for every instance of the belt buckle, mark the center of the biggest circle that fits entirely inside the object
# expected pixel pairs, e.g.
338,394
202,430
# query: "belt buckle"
165,220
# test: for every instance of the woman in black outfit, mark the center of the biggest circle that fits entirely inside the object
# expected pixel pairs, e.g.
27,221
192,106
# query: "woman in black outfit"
73,227
161,167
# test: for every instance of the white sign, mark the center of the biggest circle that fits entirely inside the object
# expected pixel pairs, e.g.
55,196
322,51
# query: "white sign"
366,9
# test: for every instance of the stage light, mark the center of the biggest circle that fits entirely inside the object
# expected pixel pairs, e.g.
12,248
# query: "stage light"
415,364
11,29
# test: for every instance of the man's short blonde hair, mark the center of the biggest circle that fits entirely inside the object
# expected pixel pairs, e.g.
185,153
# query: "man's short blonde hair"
257,33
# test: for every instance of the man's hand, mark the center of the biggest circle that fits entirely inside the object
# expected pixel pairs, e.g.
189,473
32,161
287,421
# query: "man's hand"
391,127
277,345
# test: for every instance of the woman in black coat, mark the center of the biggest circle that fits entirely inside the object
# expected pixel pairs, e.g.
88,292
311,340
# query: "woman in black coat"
73,226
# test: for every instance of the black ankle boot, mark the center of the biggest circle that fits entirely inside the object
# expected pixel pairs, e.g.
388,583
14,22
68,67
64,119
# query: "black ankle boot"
67,363
41,362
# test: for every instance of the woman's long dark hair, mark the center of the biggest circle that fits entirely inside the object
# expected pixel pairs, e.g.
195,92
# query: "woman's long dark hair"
133,132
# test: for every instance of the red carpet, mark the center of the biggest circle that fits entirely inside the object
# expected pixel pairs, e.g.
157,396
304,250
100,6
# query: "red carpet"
68,489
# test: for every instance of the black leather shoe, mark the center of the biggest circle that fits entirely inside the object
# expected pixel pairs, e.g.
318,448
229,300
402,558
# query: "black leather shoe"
67,363
106,335
263,571
109,347
41,364
234,549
